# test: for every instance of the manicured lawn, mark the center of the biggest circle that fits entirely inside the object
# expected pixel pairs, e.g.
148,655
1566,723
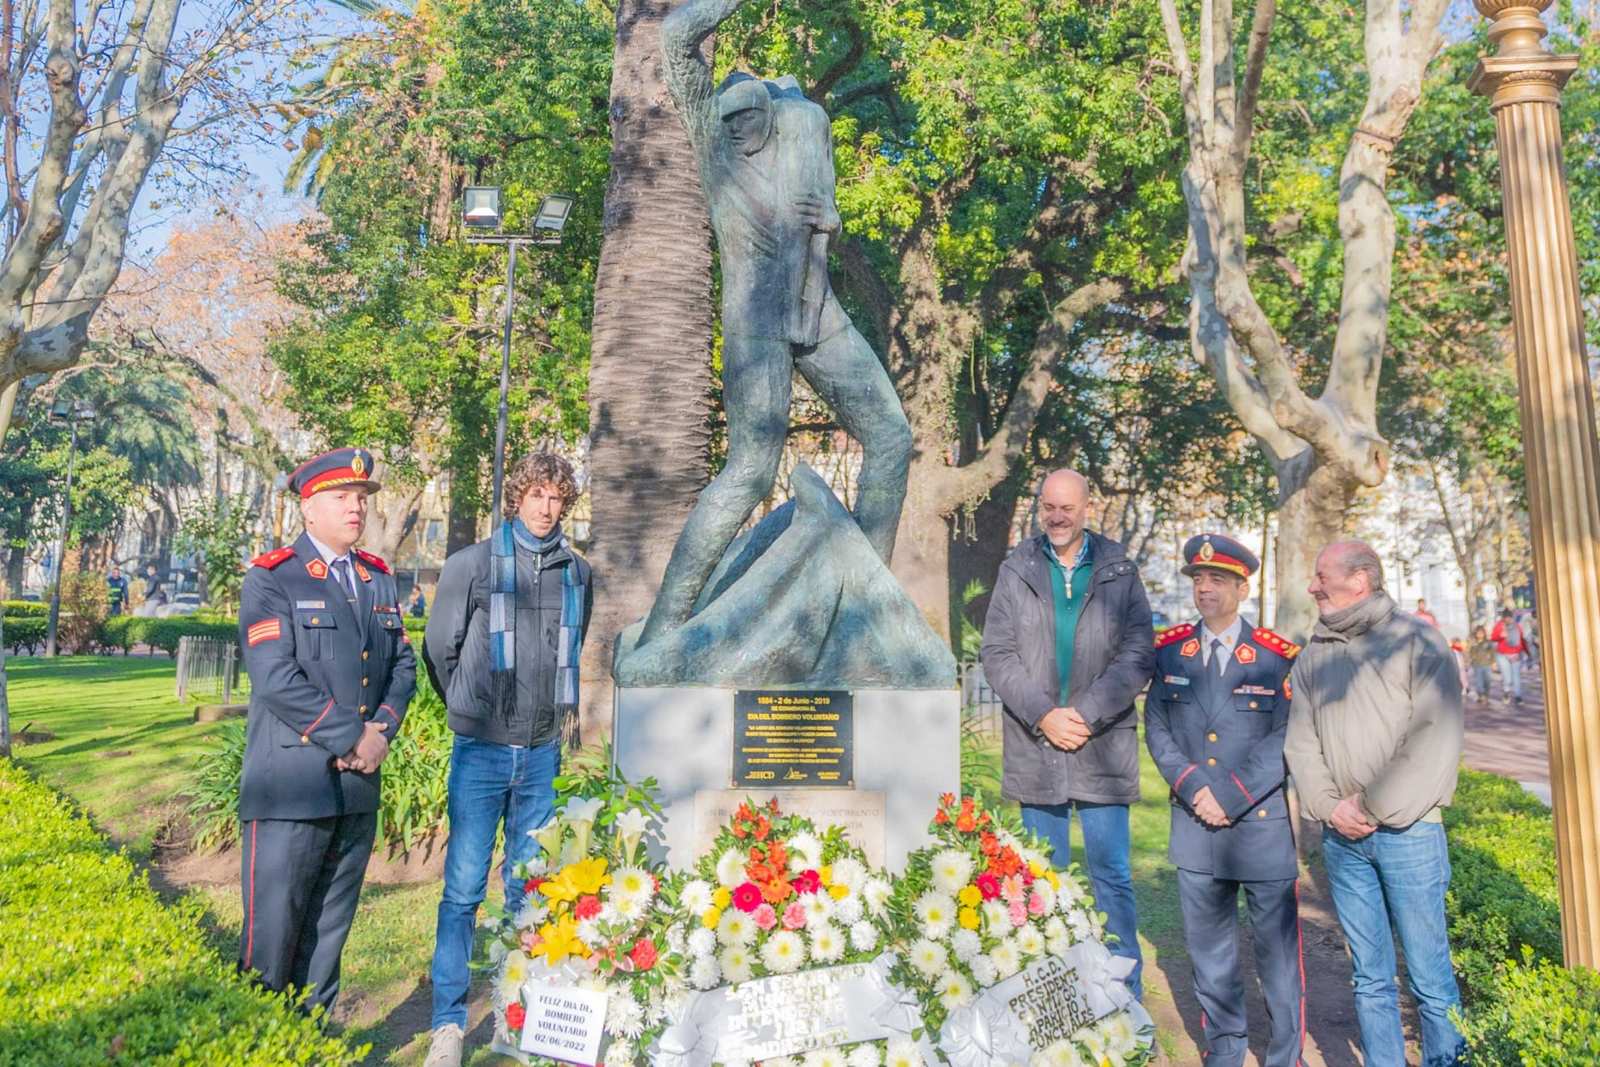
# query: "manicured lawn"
123,745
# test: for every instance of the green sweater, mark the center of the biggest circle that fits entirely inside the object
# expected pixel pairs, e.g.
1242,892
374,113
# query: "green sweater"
1068,599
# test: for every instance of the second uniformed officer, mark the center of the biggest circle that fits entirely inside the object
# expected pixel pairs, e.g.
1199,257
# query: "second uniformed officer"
331,673
1215,720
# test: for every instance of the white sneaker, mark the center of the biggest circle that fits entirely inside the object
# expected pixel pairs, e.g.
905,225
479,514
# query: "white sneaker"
445,1049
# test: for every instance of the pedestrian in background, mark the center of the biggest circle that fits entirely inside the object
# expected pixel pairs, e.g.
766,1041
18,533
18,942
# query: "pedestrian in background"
1509,647
1425,615
116,591
1480,658
1375,734
417,606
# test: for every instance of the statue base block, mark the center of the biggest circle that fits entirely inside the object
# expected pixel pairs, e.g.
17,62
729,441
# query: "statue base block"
904,751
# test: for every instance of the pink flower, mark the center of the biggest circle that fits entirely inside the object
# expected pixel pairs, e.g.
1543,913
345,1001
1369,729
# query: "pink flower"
747,897
1036,904
1019,913
988,885
794,916
807,881
1011,889
765,918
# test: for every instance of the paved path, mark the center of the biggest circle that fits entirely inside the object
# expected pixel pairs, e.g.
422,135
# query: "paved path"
1511,740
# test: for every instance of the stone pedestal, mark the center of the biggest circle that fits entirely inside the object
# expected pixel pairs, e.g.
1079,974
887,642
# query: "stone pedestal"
907,751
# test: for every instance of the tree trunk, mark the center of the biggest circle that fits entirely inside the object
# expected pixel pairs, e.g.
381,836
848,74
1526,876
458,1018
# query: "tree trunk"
1312,504
650,362
922,561
978,547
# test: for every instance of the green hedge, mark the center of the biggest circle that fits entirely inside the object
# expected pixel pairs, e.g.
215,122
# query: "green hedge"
13,609
120,633
95,969
1522,1007
24,636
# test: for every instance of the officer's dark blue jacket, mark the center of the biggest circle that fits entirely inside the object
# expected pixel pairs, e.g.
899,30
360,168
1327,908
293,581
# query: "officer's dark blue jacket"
1226,733
318,671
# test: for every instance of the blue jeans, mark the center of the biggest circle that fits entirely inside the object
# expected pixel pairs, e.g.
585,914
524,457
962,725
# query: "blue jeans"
488,782
1106,844
1397,877
1510,673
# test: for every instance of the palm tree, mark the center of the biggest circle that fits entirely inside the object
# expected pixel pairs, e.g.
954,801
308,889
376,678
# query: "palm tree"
650,362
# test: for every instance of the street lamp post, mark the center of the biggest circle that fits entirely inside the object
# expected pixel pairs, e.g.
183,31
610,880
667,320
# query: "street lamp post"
480,212
71,414
1523,81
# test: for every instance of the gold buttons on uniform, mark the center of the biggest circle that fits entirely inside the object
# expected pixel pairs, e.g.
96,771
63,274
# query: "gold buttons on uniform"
315,621
363,709
1261,813
363,683
1212,736
365,653
304,740
1211,761
1253,705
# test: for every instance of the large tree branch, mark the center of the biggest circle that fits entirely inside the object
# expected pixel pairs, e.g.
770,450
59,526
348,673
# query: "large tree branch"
1187,90
847,63
998,458
1255,66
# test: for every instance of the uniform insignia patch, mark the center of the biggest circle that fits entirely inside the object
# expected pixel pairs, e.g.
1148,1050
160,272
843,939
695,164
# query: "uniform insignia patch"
1245,654
317,569
1173,634
1175,679
1256,691
1281,645
271,559
366,576
1288,690
265,630
1190,647
375,562
317,604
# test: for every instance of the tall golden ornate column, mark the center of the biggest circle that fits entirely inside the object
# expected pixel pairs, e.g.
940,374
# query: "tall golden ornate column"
1524,81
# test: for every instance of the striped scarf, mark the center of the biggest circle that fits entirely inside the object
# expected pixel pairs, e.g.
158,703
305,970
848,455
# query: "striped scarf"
503,622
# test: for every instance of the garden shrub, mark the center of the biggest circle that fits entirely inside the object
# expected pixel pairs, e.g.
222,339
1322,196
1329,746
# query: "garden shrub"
25,636
415,774
1537,1014
1521,1007
121,632
22,609
83,608
95,969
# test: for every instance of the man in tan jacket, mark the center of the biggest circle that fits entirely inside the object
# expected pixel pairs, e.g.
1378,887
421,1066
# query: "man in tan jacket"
1375,732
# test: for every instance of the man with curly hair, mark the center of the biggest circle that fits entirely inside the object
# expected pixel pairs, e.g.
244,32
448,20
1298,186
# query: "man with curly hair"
502,645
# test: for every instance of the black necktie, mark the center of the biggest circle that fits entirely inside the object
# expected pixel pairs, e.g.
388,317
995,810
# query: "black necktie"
1216,656
341,571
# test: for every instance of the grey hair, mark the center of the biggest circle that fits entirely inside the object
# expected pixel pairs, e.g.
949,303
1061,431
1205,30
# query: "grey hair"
1360,556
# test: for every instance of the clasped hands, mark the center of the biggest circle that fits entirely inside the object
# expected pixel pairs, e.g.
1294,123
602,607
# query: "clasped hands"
368,753
1350,820
1207,809
1065,729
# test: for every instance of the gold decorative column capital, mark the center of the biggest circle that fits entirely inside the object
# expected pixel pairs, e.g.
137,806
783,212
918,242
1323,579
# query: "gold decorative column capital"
1522,70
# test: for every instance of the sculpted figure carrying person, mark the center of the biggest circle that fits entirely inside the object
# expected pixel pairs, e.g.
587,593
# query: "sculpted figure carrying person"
766,162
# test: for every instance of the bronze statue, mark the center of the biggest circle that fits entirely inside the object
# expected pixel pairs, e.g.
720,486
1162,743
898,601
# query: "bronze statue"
766,163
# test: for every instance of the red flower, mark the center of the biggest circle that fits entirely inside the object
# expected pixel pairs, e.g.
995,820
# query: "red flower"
807,882
941,817
516,1015
947,799
532,885
747,897
966,823
644,954
586,907
988,885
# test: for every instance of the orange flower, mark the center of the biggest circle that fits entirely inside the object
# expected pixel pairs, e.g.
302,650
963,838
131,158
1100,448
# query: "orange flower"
966,823
947,799
989,844
763,828
776,891
941,817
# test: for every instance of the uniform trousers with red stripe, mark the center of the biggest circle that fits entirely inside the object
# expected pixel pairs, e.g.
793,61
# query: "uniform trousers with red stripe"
300,880
1211,935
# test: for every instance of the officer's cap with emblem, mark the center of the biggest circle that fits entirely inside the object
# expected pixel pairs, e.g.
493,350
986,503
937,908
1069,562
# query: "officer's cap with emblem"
1218,552
339,469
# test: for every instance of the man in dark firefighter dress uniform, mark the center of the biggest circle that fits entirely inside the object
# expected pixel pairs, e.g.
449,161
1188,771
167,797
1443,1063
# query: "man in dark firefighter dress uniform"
1215,721
331,673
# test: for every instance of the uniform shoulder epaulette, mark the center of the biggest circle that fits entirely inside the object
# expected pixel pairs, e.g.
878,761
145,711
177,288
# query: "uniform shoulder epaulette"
376,561
1176,633
271,559
1271,641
